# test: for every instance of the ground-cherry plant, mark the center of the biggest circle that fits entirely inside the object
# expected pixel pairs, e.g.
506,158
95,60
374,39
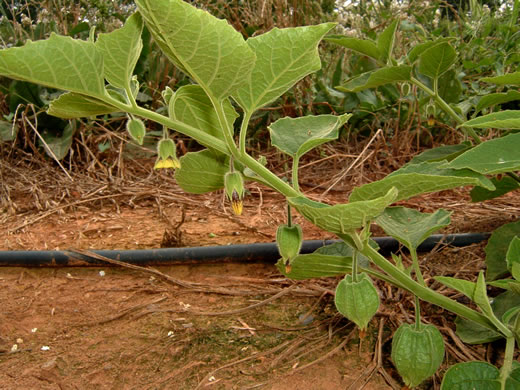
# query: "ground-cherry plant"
233,78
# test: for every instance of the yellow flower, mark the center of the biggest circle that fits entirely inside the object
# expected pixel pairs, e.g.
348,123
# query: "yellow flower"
173,163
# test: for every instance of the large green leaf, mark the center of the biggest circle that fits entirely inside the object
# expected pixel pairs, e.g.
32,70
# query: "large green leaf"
362,46
202,172
385,41
496,249
72,105
411,227
445,152
436,60
283,57
507,119
502,186
493,99
211,51
471,375
121,49
342,218
296,136
494,156
58,62
415,179
506,79
375,78
417,50
190,104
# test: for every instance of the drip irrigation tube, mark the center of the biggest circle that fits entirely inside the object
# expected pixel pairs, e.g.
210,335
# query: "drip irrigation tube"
242,253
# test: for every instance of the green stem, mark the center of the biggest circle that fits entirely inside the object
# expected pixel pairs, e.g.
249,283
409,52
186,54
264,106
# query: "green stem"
418,324
355,266
416,268
269,178
289,215
243,132
508,362
197,134
425,293
446,107
227,130
294,174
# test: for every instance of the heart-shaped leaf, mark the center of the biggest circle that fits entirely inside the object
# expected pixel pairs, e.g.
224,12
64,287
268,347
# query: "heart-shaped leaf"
202,172
375,78
363,46
121,49
506,79
436,60
190,104
283,57
471,375
493,99
497,155
72,105
296,136
415,179
411,227
385,41
58,62
208,49
507,119
342,218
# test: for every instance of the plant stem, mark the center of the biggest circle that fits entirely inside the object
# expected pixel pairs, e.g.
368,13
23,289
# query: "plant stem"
198,135
294,174
446,107
269,178
417,313
289,215
508,362
416,268
425,293
243,132
355,266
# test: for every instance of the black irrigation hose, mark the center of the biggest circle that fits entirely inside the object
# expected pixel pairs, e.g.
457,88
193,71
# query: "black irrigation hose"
242,253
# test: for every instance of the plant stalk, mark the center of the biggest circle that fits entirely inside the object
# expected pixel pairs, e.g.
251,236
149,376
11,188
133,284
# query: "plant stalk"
507,367
425,293
446,107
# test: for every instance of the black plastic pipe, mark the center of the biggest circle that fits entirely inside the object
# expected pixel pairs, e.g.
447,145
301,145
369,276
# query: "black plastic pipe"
242,253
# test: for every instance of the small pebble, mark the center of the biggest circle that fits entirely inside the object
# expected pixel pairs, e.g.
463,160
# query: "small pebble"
45,348
101,273
14,348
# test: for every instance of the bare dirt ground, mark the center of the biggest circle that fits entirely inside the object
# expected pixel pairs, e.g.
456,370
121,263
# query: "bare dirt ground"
196,326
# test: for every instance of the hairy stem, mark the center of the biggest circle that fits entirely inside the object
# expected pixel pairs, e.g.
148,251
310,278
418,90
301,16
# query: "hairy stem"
425,293
508,362
446,107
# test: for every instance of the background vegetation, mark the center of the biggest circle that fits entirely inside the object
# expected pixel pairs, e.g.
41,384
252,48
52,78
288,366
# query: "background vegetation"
484,33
